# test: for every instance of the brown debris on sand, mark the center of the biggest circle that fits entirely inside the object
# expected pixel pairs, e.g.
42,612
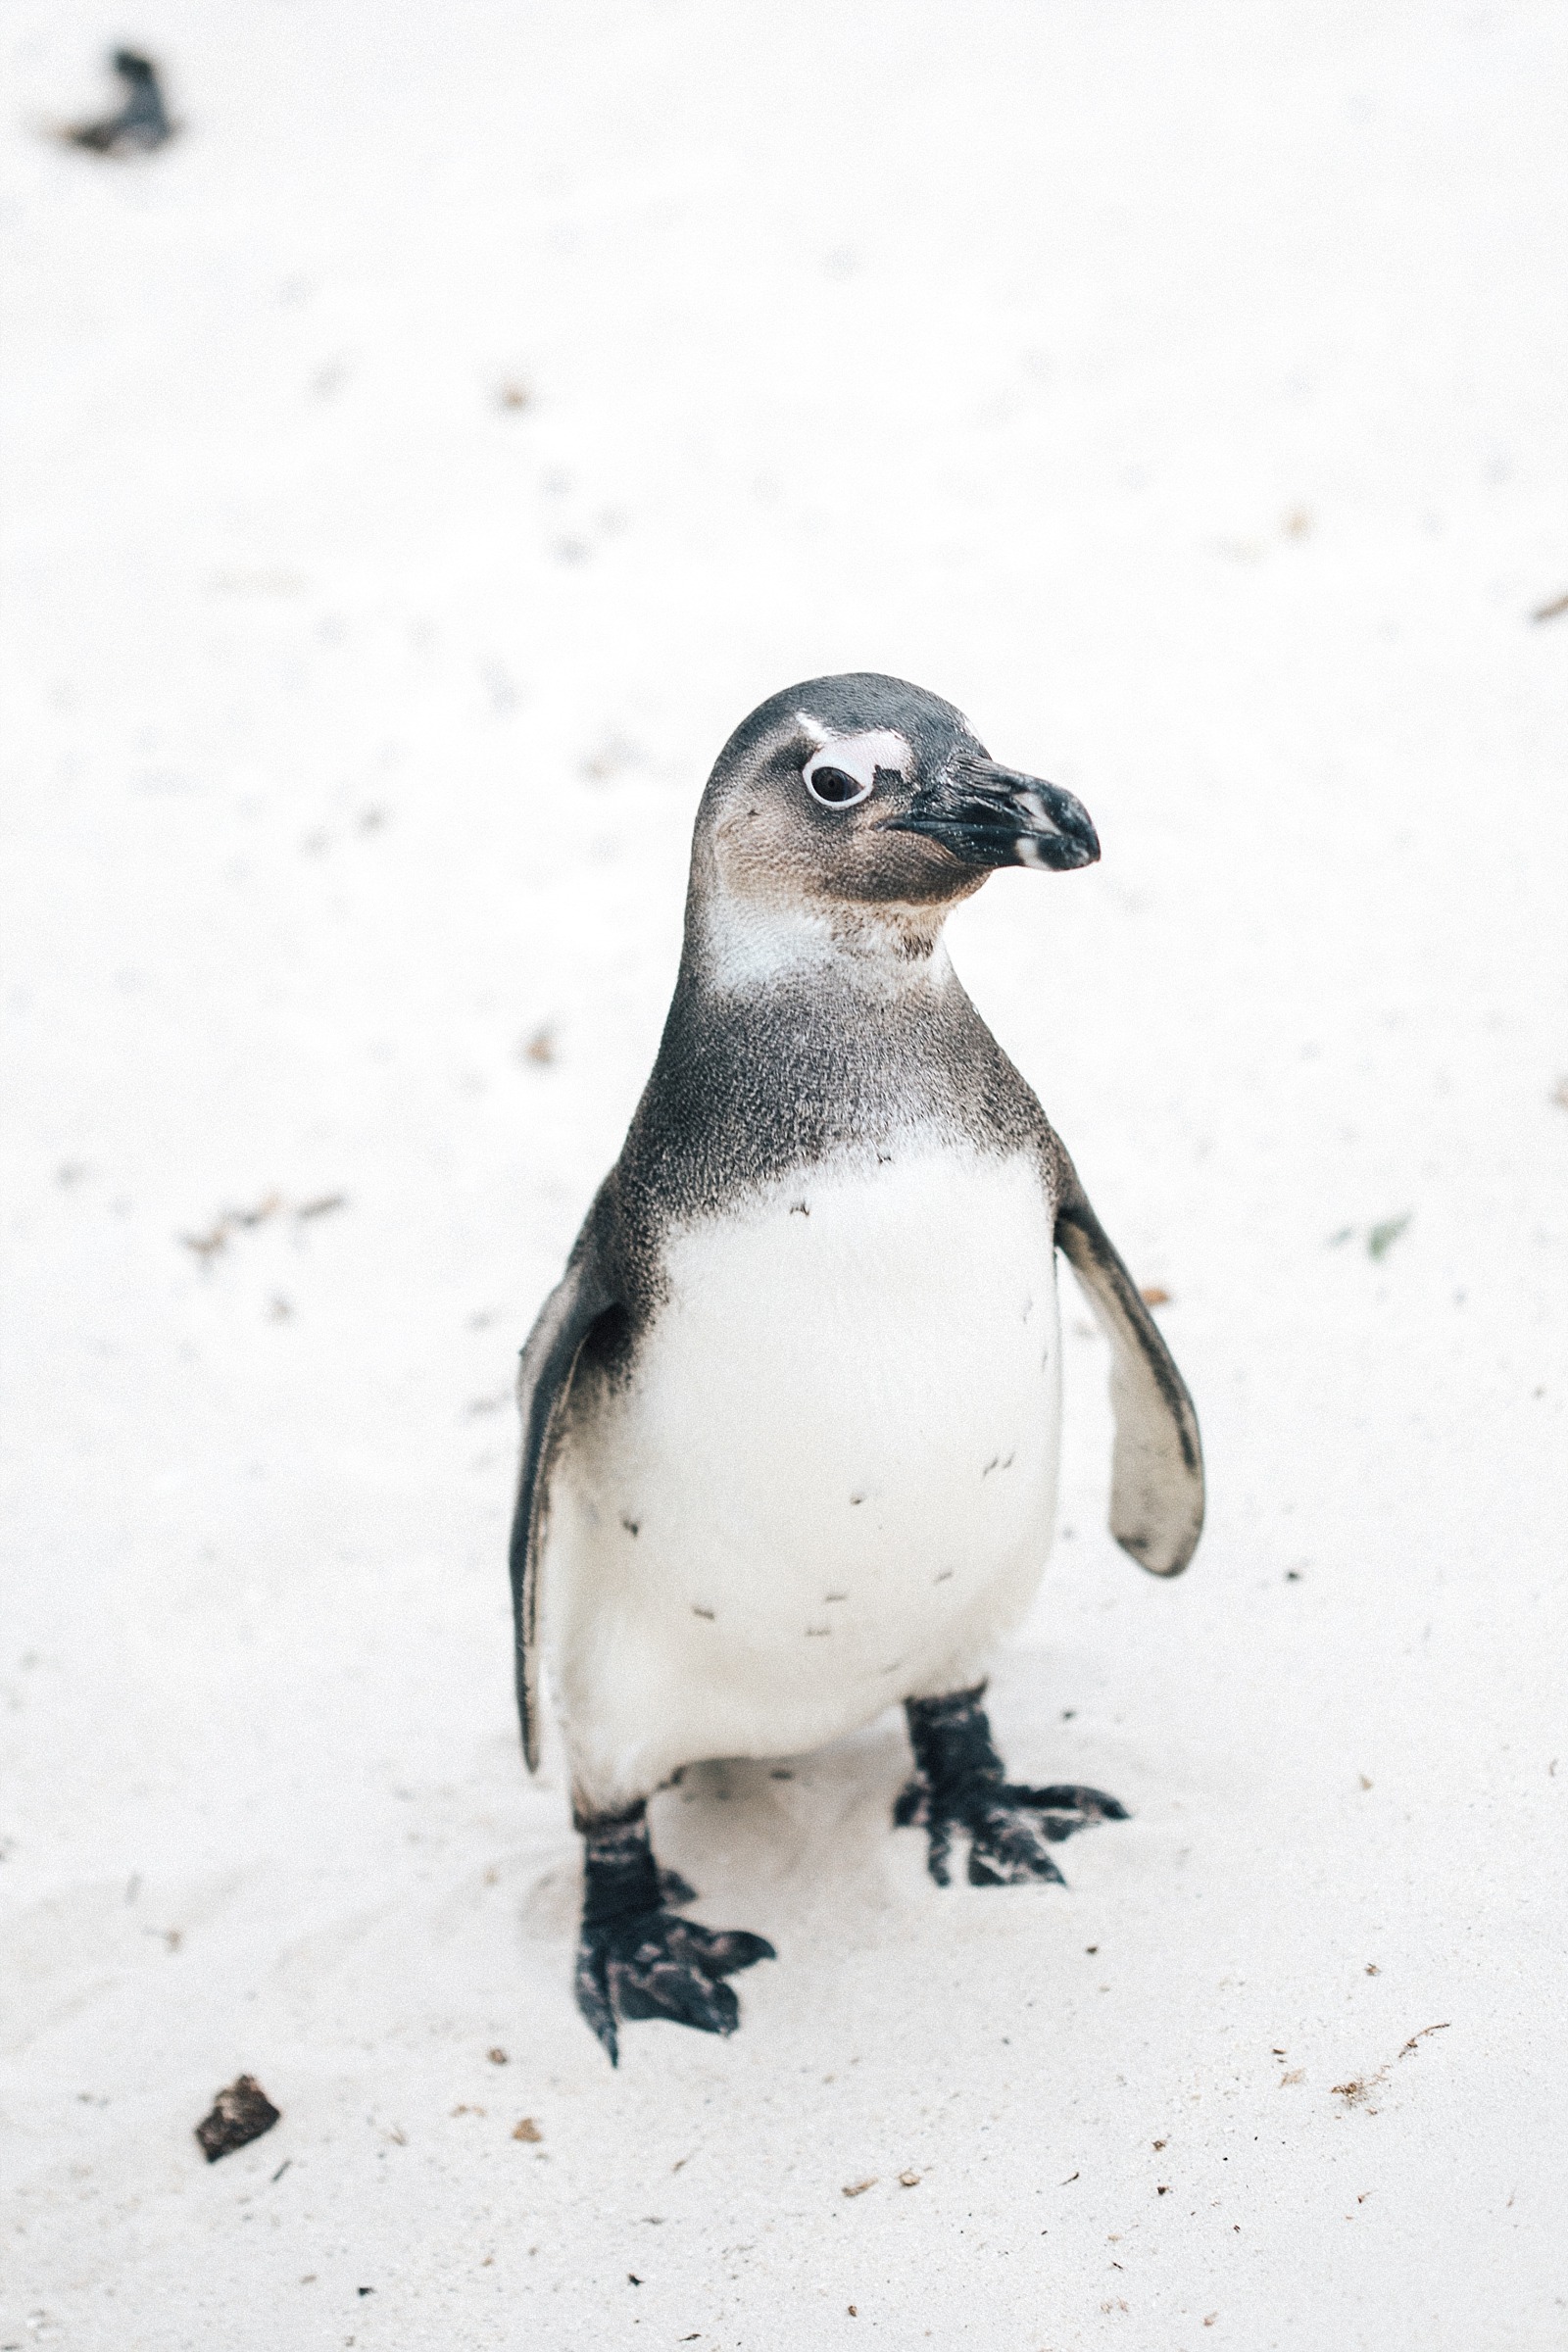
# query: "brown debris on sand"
209,1245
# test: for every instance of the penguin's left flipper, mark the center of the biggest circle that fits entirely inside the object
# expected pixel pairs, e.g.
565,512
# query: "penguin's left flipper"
581,1298
1156,1481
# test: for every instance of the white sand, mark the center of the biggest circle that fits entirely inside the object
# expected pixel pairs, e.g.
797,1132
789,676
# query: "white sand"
355,724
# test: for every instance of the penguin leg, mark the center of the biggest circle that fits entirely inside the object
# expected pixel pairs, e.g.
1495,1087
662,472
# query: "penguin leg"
961,1784
635,1956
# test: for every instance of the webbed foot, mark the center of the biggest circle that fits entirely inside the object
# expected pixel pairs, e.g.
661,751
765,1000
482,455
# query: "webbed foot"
959,1786
636,1957
655,1964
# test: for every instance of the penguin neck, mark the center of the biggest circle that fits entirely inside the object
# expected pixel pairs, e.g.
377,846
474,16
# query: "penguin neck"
796,1037
738,944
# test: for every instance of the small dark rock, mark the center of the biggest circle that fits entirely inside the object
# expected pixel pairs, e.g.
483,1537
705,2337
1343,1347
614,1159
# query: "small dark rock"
142,122
240,2114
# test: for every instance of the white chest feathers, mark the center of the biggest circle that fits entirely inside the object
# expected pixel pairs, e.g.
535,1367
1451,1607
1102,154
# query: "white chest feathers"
830,1481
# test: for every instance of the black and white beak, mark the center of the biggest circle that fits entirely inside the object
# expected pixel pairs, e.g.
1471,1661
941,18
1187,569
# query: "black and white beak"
989,816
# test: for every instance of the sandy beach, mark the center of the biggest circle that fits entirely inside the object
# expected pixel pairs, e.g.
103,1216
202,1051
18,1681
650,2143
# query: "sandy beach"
412,474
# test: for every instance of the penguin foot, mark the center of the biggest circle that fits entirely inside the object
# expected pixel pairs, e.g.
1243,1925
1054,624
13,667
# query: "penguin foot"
635,1956
1010,1830
656,1964
959,1786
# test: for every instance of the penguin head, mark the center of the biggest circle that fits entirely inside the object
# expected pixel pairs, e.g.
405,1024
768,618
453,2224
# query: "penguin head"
863,797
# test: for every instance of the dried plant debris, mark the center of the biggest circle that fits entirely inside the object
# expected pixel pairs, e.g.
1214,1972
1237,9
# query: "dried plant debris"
611,759
232,1220
217,1236
1416,2038
1360,2087
240,2114
1154,1294
527,2129
1551,609
142,124
540,1048
1380,1238
323,1205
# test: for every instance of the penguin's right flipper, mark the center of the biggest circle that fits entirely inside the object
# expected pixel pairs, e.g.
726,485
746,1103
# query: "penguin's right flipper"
544,1378
1156,1481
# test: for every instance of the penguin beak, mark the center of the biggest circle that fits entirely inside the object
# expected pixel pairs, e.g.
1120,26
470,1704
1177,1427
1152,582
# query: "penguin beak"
989,815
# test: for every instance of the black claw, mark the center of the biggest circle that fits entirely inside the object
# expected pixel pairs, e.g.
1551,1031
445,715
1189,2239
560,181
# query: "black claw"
591,1984
909,1807
725,1951
938,1847
1012,1871
673,1890
1068,1797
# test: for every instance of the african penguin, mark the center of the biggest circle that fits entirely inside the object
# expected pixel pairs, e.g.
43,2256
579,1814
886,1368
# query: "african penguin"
791,1418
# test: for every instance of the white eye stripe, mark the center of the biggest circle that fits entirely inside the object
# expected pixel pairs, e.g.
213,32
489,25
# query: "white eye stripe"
858,756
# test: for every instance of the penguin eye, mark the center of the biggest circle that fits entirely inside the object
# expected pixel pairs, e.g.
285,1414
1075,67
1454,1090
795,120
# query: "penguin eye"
835,786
